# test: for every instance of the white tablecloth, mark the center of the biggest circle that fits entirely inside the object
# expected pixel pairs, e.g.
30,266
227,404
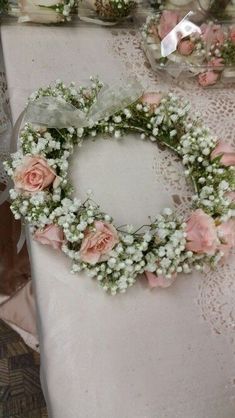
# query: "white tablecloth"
160,354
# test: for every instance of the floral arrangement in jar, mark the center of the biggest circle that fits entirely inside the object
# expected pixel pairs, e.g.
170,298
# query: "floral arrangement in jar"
43,11
208,54
105,11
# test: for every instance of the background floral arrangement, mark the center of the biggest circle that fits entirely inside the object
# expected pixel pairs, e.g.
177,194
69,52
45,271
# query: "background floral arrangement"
43,11
47,11
59,11
110,10
117,256
209,56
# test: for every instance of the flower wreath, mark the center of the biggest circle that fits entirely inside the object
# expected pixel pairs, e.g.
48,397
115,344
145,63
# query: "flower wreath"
209,56
60,117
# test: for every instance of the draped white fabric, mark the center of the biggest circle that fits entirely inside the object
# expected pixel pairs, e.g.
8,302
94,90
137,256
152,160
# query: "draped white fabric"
146,354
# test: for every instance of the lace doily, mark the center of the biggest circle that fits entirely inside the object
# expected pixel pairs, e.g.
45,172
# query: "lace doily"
216,289
216,299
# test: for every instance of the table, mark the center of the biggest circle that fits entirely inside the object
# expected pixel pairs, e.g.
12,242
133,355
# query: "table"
147,354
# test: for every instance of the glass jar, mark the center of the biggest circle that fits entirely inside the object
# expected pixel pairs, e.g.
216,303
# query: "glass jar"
206,54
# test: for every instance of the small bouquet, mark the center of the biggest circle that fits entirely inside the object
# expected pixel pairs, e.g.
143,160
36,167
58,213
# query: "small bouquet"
40,11
106,11
208,53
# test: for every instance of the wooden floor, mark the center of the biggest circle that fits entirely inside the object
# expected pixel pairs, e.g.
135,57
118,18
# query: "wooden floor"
20,389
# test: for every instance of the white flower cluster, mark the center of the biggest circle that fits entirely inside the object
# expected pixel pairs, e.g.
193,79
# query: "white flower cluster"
66,8
41,142
170,255
212,181
168,116
75,217
34,209
82,98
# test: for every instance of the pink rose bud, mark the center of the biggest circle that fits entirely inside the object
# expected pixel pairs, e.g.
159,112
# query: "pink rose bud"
33,175
168,21
51,235
201,233
151,99
226,234
232,34
98,242
212,34
186,47
159,281
227,153
209,78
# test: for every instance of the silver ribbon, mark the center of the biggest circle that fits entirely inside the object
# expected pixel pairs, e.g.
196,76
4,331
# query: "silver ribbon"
183,29
54,112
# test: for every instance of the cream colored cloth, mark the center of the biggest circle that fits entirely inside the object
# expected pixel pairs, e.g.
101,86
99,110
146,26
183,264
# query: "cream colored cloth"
146,354
20,310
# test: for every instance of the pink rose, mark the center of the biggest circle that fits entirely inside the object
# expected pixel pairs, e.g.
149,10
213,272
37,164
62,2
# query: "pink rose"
151,99
230,196
33,175
217,63
186,47
51,235
227,153
158,281
226,234
232,34
209,78
168,21
98,243
201,233
213,34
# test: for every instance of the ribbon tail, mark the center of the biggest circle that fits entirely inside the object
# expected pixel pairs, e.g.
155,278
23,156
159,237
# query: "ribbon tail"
112,100
51,112
183,29
21,240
